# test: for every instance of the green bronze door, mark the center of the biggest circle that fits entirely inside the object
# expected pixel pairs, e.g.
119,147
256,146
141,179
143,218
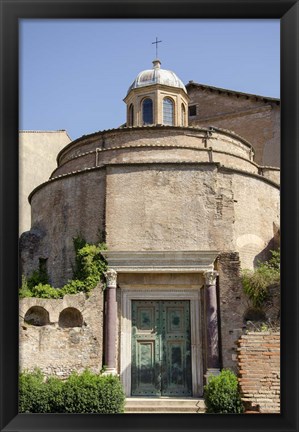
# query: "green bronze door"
161,353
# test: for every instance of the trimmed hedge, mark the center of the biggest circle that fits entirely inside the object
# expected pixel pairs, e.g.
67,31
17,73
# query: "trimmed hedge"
80,393
221,394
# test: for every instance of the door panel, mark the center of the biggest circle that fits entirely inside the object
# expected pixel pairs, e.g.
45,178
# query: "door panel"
146,365
161,357
176,366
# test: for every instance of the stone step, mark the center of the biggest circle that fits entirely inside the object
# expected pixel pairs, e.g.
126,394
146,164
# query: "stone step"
154,405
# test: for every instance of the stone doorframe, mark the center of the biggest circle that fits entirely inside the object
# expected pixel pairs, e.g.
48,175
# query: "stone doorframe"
126,329
161,262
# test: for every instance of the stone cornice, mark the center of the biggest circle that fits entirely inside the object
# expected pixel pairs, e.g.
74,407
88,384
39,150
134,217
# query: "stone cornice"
217,164
180,129
161,261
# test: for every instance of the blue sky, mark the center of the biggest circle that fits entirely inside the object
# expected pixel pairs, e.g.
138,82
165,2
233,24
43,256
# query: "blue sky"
74,74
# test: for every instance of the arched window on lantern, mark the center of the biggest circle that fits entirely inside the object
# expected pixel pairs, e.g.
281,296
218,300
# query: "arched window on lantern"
147,111
131,115
183,115
168,111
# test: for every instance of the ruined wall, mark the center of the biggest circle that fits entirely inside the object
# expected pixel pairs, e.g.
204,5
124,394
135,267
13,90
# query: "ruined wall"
233,304
256,119
55,348
62,210
259,363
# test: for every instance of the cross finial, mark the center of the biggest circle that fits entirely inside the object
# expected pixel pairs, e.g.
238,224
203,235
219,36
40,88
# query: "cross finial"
157,41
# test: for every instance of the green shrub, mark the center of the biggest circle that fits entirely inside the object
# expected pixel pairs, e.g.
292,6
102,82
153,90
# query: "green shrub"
256,282
24,291
90,265
37,395
39,276
91,393
80,393
72,287
221,394
55,395
45,291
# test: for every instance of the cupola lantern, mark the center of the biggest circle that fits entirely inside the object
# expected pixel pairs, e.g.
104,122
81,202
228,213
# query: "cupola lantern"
157,97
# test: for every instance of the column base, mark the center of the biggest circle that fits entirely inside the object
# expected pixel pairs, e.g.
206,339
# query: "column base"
110,371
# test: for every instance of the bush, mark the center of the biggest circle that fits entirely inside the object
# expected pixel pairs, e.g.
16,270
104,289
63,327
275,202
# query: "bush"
89,262
39,276
80,393
39,396
221,394
91,393
257,282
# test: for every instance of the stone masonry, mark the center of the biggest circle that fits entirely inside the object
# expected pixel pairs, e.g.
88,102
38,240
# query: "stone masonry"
232,304
55,339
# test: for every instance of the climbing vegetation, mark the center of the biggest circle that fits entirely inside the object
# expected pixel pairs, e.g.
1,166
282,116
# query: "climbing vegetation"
256,282
89,269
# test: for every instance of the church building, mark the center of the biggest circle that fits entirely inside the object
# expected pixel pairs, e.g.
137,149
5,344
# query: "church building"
185,194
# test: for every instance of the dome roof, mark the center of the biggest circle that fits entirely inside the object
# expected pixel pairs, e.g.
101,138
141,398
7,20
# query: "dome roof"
157,76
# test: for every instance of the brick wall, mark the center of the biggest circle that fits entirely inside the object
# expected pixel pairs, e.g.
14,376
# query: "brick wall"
259,371
255,119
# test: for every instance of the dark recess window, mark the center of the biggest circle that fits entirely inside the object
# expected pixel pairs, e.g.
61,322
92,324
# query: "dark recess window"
192,110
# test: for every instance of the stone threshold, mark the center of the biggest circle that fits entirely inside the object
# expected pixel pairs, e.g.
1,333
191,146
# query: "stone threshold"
164,405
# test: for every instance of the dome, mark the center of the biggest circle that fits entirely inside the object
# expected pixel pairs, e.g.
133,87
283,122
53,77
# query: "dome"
156,76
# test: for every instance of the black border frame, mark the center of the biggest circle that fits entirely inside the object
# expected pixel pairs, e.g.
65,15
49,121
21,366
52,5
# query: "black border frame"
13,10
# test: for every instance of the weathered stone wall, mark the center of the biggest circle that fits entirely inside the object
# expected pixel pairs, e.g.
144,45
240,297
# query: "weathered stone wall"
254,118
168,208
185,207
256,213
152,188
259,363
62,210
55,348
233,304
153,207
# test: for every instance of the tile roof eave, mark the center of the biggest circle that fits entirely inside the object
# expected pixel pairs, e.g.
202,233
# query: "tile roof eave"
233,92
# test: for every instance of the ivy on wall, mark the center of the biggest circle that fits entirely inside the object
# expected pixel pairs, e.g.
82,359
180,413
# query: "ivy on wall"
88,271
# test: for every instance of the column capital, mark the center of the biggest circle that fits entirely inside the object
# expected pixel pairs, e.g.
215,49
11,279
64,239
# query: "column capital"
210,277
111,277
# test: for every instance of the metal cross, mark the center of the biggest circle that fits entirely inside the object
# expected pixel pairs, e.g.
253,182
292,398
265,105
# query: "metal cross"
156,46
